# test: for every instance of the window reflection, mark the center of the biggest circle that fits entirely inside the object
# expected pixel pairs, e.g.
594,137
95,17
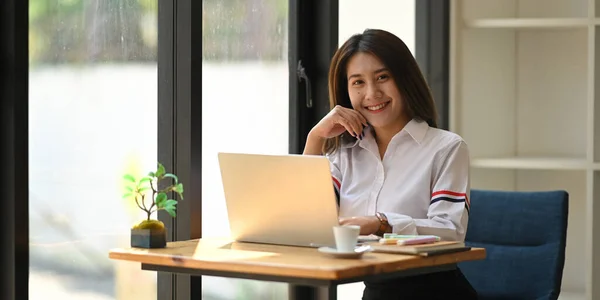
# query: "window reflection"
92,117
244,109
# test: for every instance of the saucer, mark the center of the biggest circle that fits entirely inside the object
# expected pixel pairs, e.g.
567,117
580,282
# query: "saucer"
357,253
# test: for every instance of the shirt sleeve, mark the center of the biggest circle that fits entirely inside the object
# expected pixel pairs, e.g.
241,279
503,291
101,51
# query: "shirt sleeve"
336,174
448,212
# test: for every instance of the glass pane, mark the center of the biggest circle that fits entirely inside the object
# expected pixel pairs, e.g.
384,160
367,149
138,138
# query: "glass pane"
395,16
92,117
244,109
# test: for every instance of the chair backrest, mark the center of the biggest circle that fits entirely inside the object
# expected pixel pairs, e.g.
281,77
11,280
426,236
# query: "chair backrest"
525,235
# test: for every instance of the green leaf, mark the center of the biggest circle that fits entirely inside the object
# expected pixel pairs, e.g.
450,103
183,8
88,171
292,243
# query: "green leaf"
143,189
144,179
151,174
171,211
161,198
161,171
178,188
129,189
129,178
172,176
127,195
141,184
170,207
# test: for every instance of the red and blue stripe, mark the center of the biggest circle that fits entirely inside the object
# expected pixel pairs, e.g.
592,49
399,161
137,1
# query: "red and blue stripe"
336,188
450,196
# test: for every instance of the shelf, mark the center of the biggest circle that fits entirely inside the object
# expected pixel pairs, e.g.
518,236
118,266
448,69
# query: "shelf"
524,95
508,95
551,23
532,163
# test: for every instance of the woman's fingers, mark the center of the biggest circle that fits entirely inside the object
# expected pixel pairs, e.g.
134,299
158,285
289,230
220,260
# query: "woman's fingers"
355,113
344,221
348,125
353,120
362,119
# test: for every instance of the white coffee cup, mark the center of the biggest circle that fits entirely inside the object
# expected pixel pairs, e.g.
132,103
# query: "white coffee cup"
346,237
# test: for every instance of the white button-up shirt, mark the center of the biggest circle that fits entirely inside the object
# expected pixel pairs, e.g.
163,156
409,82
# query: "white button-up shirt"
422,183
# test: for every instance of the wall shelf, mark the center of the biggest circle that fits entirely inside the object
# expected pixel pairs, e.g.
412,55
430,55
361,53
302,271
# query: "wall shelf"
531,163
525,96
532,23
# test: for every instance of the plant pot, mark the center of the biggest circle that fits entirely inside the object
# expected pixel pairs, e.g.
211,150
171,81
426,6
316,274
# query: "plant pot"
148,238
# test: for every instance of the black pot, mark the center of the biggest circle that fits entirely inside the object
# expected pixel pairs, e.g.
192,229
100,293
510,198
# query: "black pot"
148,238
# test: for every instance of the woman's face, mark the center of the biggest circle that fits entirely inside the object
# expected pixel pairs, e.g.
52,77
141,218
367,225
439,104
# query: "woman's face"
373,91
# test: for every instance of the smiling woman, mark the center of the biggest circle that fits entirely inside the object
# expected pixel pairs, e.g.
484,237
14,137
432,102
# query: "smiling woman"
366,71
394,171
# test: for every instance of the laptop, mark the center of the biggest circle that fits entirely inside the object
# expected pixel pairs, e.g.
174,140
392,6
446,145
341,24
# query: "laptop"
279,199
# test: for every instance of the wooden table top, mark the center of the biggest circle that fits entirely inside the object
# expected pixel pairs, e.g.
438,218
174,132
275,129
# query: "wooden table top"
224,255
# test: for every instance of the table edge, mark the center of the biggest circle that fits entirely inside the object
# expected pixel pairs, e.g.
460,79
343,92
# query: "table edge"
321,274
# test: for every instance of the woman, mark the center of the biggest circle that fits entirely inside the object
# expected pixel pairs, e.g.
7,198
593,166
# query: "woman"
393,170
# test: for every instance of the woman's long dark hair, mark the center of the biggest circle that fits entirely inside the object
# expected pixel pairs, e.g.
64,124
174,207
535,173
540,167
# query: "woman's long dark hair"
393,53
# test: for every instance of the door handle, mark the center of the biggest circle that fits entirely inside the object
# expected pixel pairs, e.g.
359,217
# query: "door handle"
302,75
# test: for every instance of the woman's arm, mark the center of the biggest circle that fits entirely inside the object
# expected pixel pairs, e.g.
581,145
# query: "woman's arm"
448,212
314,144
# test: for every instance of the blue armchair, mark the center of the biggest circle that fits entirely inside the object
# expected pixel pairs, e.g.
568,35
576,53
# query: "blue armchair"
525,235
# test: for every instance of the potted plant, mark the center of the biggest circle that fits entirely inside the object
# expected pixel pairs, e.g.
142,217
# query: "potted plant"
150,194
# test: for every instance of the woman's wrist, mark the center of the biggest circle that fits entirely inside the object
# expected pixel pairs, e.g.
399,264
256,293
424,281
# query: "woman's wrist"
384,225
314,144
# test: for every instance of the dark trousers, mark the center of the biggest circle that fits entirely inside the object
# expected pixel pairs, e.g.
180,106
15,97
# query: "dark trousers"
441,285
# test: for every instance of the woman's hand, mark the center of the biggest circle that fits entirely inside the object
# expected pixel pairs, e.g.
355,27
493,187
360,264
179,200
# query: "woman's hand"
338,120
368,225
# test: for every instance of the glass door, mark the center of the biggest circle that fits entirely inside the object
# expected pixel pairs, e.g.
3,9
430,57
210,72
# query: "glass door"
92,117
245,108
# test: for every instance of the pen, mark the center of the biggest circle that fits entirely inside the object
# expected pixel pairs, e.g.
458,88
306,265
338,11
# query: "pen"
400,236
396,238
416,241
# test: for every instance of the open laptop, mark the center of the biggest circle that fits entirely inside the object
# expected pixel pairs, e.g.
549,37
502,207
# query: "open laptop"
279,199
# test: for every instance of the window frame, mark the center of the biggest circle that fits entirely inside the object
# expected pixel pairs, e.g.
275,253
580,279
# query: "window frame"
180,129
432,47
313,39
14,156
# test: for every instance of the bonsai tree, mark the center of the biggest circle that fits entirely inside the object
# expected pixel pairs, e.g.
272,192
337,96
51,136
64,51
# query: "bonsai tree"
150,194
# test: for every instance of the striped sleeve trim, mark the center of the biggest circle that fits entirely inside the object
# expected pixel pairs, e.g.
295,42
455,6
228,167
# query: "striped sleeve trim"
450,196
336,188
336,183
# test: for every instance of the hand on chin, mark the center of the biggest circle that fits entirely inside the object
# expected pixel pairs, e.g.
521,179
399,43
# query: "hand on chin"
368,224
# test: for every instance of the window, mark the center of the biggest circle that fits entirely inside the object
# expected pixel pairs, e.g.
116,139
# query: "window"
92,117
245,106
395,16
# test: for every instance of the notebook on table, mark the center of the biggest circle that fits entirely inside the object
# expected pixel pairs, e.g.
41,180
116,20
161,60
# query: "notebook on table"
430,249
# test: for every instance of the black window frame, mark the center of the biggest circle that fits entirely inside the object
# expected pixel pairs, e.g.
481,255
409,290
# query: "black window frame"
179,131
312,39
14,129
432,47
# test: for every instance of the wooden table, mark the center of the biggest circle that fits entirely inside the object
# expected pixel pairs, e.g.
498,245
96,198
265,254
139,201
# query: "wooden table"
311,274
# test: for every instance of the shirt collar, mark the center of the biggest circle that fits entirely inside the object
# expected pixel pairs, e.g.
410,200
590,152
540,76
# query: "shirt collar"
415,128
352,143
